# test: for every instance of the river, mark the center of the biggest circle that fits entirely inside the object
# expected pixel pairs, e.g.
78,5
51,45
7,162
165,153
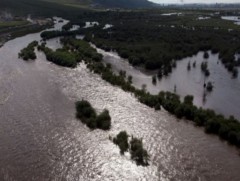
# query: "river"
42,140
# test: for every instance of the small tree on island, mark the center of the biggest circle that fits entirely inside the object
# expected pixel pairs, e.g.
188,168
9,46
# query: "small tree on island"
138,153
122,141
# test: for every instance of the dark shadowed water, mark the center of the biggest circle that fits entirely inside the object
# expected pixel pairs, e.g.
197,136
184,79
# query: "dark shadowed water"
224,99
42,140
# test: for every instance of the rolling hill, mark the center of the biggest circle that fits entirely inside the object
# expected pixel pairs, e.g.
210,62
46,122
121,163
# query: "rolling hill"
124,3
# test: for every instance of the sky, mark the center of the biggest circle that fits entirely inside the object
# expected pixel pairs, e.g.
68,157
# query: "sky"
194,1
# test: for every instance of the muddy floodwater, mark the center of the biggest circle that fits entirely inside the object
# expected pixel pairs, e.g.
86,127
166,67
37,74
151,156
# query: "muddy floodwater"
224,99
42,140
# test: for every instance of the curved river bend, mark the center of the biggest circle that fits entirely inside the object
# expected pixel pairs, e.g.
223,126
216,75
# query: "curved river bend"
42,140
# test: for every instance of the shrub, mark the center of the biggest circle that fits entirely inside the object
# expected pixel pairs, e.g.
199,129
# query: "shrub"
103,120
88,116
138,153
122,141
28,52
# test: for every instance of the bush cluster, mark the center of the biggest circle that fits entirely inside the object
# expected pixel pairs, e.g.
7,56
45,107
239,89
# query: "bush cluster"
135,147
60,56
28,52
88,116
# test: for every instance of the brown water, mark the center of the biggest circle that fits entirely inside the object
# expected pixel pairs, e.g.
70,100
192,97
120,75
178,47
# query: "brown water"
224,99
42,140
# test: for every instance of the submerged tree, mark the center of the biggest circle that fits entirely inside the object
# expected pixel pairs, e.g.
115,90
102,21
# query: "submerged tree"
28,52
206,55
144,87
194,64
122,141
209,86
138,153
154,79
204,66
235,73
130,79
103,120
207,72
189,66
88,116
160,74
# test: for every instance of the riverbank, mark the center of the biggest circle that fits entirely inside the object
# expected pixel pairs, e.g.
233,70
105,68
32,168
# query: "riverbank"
10,33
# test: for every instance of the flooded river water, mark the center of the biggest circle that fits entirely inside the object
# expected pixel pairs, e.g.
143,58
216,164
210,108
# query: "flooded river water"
42,140
224,98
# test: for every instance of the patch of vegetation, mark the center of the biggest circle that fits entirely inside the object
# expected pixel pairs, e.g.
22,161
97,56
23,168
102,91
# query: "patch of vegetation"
67,26
122,141
56,33
209,86
135,147
28,52
138,153
60,56
206,55
87,114
104,120
154,79
204,68
154,41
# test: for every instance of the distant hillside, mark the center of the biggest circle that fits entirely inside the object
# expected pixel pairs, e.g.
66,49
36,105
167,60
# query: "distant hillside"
124,3
47,8
68,8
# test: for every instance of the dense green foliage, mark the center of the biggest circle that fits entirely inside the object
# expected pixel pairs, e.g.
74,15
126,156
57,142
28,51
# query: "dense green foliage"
209,86
59,57
88,116
135,147
86,113
122,141
56,33
28,52
83,50
138,153
67,26
155,41
103,120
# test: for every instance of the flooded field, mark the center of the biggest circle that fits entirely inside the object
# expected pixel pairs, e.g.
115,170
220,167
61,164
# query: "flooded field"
224,98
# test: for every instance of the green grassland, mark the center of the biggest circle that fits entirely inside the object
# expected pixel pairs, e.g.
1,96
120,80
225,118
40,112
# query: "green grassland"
6,24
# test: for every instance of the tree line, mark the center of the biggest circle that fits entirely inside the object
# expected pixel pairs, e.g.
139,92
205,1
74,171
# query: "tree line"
150,40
